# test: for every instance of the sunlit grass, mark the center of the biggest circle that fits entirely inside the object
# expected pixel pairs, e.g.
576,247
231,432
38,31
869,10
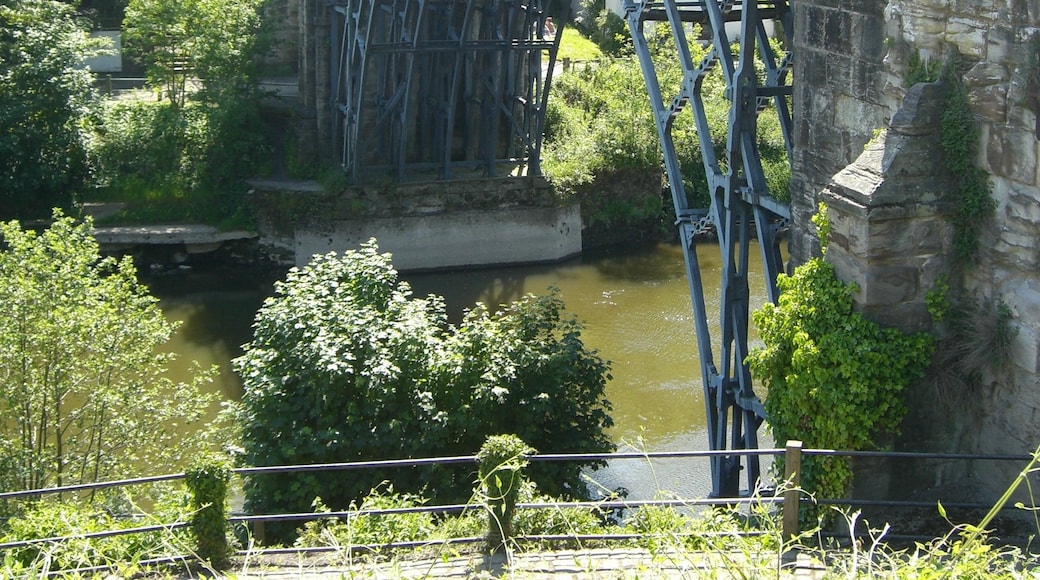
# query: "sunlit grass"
575,47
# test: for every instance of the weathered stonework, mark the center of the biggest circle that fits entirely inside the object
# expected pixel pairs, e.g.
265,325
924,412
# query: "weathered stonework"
891,233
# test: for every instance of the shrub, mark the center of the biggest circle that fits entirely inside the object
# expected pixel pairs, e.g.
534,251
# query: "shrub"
345,365
53,519
177,163
370,529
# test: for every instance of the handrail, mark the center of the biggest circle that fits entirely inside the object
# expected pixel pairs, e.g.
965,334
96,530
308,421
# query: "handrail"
551,457
790,498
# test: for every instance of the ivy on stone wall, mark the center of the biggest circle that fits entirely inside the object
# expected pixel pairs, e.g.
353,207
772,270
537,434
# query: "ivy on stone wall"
835,380
959,137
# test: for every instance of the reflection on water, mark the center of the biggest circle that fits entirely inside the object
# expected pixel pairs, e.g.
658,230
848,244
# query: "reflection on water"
637,313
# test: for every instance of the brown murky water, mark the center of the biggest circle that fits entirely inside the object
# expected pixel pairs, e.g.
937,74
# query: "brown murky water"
636,308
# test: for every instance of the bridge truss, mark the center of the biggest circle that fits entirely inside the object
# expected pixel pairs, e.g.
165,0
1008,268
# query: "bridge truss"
436,89
741,204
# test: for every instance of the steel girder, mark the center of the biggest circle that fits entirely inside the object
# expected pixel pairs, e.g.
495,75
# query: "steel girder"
740,198
437,88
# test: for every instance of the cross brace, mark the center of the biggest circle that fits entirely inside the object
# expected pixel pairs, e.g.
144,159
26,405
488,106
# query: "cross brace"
741,205
429,89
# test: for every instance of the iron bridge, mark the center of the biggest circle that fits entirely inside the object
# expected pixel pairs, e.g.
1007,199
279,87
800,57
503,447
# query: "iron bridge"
439,89
741,205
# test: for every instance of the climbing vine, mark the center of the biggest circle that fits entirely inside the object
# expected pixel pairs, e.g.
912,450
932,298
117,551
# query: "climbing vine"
835,380
208,480
500,461
959,138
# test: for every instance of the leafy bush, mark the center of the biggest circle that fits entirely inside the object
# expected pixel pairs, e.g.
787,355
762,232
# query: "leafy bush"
177,163
186,158
345,365
835,380
370,529
46,98
217,41
606,29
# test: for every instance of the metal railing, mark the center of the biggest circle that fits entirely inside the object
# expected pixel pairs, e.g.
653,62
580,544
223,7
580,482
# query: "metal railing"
789,496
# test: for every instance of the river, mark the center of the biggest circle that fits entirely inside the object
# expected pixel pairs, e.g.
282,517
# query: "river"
635,304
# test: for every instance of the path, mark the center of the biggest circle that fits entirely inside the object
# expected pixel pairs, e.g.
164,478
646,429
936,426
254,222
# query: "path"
564,564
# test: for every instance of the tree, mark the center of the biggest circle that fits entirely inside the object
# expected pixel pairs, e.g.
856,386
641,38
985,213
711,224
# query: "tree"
216,40
83,396
46,94
345,365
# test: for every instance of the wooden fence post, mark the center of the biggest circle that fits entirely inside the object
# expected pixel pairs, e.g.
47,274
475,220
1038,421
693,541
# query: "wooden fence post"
793,482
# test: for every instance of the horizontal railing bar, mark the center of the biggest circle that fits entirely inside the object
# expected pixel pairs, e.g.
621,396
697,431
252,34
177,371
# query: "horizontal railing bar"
360,547
101,568
90,486
905,504
93,535
356,465
652,454
451,508
351,513
610,504
916,455
591,537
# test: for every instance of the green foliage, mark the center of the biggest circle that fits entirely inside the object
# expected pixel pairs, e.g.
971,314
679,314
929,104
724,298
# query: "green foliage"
216,41
345,365
373,529
575,47
938,301
835,380
368,529
207,480
919,70
83,391
973,204
500,464
599,134
51,519
553,521
823,226
187,158
177,164
46,98
713,529
604,28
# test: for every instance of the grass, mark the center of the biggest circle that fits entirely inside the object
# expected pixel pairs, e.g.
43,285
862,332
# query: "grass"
576,47
148,203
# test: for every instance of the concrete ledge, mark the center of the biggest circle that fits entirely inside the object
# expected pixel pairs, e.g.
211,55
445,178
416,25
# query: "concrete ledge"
453,239
167,234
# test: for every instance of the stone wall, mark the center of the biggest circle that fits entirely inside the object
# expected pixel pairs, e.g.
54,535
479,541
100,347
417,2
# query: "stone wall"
868,146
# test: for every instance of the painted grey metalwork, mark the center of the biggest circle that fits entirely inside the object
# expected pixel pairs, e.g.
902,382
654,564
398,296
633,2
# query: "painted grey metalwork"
740,198
437,89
